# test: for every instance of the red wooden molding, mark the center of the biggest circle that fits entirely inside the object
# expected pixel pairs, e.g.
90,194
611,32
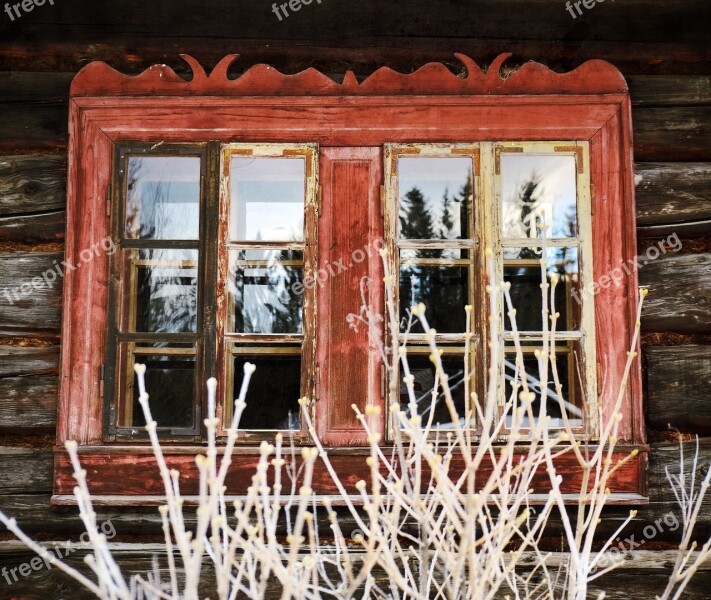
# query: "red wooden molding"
99,79
116,473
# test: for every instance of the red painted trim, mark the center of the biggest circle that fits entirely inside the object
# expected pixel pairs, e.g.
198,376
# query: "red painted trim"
99,79
110,473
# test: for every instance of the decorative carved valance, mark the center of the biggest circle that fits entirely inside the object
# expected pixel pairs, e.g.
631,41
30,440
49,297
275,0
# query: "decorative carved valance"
99,79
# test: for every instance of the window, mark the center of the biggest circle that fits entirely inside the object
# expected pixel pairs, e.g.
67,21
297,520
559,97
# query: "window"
530,202
246,221
193,302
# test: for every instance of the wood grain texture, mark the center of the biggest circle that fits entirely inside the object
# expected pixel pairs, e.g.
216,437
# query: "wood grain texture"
673,197
669,90
678,133
28,402
28,229
18,361
113,474
32,184
349,222
25,470
679,293
678,383
622,584
38,311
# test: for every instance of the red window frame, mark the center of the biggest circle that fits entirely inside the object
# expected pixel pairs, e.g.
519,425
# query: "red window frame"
349,121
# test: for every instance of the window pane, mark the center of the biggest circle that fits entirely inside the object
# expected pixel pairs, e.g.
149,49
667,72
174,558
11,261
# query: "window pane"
526,294
435,196
170,384
424,373
571,391
274,391
267,200
163,198
443,290
411,254
265,289
534,187
160,291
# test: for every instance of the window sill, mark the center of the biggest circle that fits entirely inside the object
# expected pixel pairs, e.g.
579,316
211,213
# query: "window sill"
128,476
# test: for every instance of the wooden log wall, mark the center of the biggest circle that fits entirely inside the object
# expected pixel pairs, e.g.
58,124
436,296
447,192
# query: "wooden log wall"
661,47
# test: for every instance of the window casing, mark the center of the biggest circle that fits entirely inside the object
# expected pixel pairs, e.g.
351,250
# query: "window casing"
357,130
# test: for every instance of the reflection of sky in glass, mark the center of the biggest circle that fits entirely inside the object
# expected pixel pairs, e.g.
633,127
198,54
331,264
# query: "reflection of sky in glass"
435,177
554,199
267,199
163,198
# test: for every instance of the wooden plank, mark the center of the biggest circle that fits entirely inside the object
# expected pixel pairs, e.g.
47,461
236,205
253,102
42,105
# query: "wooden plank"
673,197
37,311
25,470
27,127
16,361
640,577
32,184
349,220
28,402
678,383
496,19
18,86
36,514
680,134
680,293
44,227
669,90
361,53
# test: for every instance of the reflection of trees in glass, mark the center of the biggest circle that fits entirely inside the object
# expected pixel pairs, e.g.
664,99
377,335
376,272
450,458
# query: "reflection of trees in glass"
264,299
524,219
442,289
144,219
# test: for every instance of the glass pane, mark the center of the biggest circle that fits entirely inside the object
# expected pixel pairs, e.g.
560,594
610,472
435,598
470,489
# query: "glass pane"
538,187
526,294
410,254
424,373
266,291
571,395
170,383
267,199
443,290
160,291
435,196
163,198
274,391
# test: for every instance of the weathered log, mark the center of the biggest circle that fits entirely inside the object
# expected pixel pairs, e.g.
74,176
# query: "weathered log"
28,402
680,293
25,470
678,384
32,184
16,361
29,309
669,90
679,134
44,227
135,558
673,197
